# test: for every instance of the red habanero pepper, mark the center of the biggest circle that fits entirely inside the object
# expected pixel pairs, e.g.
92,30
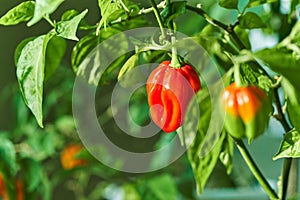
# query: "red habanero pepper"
169,92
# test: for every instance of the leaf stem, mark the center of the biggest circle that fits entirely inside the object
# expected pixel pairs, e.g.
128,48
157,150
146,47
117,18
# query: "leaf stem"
158,18
255,170
47,18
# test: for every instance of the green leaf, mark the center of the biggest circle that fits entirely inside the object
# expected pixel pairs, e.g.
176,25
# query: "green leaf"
54,53
226,155
30,74
21,13
253,3
293,103
67,29
129,65
159,188
244,36
207,145
172,11
251,74
130,192
43,8
20,47
290,146
32,173
250,21
283,61
230,4
69,14
110,10
8,164
294,4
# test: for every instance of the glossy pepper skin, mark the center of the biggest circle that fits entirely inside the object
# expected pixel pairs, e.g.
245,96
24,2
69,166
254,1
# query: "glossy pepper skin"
169,92
247,111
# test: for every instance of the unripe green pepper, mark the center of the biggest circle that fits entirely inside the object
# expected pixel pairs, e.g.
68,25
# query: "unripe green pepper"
247,111
169,92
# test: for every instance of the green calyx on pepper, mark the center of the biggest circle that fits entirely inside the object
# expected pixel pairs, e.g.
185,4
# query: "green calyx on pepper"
247,111
169,92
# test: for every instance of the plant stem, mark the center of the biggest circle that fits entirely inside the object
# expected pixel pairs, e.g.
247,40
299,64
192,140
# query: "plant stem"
158,18
287,163
255,170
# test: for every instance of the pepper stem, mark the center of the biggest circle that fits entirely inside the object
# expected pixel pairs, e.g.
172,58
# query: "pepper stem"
175,63
237,77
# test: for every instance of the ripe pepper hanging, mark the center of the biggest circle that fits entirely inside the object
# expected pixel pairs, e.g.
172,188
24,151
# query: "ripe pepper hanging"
247,111
169,92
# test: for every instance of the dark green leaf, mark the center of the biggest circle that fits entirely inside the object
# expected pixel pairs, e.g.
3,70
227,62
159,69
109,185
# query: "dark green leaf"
294,4
283,61
67,29
8,163
30,74
42,8
54,53
290,146
244,36
253,3
172,11
250,21
21,13
110,48
32,173
230,4
226,154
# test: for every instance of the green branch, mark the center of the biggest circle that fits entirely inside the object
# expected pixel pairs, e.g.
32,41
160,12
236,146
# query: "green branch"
255,170
158,18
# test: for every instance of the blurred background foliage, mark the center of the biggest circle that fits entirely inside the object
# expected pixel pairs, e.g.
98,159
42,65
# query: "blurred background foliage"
38,150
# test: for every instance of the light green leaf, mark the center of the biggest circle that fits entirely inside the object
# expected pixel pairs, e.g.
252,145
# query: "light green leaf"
230,4
43,8
226,155
250,21
128,65
293,103
253,3
290,146
21,13
20,47
54,53
110,10
30,74
160,188
8,164
67,29
282,61
206,147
